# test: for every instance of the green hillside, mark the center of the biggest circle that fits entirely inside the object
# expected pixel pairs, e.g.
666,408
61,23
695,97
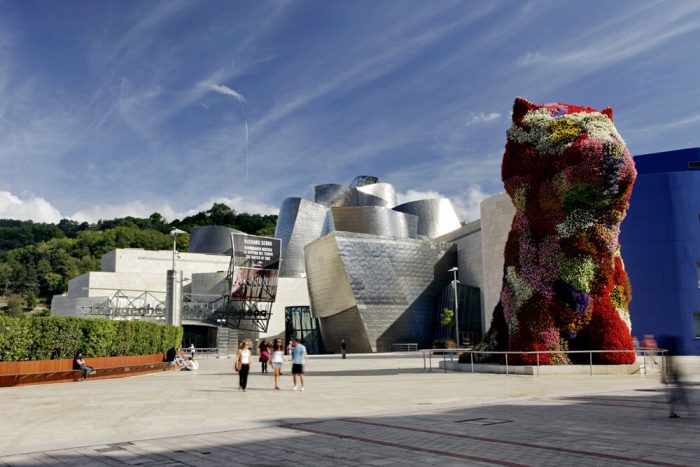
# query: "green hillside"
37,260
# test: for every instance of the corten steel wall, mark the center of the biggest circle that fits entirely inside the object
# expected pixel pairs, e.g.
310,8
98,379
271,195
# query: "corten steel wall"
660,241
300,221
211,239
435,216
375,291
375,220
10,370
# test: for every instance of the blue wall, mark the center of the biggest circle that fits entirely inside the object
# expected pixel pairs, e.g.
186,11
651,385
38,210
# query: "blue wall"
660,239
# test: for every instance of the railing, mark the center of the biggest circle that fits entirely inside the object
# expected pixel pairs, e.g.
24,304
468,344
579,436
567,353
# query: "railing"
200,352
404,347
648,355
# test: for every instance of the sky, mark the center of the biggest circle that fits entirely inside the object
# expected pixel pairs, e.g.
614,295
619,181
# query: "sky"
127,107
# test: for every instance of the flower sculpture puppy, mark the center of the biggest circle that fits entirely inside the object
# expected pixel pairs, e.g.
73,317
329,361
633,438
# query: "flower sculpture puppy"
570,177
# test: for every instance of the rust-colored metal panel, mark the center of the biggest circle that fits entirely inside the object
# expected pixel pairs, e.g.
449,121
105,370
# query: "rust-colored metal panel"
53,371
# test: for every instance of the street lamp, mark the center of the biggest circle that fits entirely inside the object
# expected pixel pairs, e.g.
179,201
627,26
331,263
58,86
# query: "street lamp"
174,233
454,283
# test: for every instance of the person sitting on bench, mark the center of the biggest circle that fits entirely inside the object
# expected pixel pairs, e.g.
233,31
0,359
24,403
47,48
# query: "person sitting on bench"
79,364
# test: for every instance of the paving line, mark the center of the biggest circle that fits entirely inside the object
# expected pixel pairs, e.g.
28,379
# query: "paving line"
405,447
516,443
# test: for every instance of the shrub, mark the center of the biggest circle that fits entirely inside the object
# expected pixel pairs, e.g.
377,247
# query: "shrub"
61,337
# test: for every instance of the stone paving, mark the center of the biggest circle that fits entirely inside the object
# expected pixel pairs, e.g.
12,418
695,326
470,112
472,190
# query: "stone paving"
367,410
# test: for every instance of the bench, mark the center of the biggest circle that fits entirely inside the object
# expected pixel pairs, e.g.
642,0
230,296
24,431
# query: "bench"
75,375
404,347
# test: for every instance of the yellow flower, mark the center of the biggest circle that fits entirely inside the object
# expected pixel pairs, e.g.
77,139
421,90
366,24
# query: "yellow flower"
563,131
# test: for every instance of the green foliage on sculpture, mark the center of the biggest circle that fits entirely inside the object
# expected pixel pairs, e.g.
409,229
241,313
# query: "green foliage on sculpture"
49,338
570,177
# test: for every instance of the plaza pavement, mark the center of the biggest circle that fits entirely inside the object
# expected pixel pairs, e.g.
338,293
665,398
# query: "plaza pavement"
366,410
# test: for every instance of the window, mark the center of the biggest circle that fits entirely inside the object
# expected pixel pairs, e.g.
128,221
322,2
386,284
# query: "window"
696,321
694,165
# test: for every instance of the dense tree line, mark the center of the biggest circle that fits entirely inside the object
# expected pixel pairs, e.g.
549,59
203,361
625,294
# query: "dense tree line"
37,260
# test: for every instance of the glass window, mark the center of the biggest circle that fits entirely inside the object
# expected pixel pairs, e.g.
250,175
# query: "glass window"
696,320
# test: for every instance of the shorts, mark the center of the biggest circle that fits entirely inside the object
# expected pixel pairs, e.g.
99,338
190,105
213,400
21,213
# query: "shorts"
297,369
276,364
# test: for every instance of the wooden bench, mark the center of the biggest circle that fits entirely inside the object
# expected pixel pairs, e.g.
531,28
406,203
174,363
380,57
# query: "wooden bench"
57,374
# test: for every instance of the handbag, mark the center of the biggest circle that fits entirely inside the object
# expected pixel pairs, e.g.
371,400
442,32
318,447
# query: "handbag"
238,365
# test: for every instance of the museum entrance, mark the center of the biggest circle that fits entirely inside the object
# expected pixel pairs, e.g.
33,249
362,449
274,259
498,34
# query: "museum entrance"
469,315
200,336
300,323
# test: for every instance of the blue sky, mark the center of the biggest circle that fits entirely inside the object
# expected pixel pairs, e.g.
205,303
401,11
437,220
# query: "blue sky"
127,107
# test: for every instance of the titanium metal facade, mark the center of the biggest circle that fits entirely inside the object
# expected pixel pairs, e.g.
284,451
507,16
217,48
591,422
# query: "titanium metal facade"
211,239
435,216
375,291
300,221
374,272
375,220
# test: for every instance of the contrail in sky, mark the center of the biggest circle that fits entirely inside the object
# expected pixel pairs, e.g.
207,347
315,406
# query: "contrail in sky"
227,91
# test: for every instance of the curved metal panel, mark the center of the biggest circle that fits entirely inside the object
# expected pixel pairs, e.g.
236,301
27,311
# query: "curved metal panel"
385,191
334,195
300,221
211,239
435,216
330,194
375,220
330,291
375,291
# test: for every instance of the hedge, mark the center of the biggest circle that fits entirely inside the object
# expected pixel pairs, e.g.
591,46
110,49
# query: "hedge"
57,337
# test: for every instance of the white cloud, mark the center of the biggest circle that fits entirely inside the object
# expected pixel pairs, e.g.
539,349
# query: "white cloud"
223,89
140,209
33,208
111,211
482,118
415,195
38,209
237,203
467,205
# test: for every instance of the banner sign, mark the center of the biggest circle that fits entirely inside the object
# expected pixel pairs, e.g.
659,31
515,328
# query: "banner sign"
251,251
258,285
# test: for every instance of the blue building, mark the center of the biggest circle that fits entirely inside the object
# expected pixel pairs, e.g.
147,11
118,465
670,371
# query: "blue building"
660,241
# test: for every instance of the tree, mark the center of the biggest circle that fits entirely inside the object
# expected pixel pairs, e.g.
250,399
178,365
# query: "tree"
30,300
220,214
448,317
14,306
5,277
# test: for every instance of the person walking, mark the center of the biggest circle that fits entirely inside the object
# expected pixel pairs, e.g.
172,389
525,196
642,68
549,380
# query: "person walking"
673,379
192,350
343,348
264,357
277,359
298,360
243,362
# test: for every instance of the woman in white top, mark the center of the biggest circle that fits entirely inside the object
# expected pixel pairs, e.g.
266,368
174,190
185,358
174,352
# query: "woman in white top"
243,358
277,359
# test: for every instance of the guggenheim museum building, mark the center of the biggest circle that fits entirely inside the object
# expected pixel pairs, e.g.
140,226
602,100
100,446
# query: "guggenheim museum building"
357,265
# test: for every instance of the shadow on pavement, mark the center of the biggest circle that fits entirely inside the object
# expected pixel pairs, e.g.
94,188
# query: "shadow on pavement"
602,429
